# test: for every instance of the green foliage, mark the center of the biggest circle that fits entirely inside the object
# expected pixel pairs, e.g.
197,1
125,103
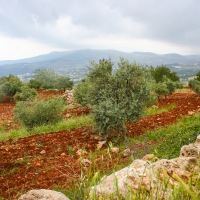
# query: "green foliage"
82,92
198,76
153,111
37,113
25,93
171,138
115,98
179,85
49,79
69,124
195,85
9,86
63,82
161,89
160,73
34,84
171,86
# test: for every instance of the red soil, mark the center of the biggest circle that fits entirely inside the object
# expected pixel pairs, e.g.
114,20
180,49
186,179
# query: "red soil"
42,161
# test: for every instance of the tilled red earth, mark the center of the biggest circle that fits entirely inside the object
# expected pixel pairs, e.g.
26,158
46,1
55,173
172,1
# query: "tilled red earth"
43,161
186,104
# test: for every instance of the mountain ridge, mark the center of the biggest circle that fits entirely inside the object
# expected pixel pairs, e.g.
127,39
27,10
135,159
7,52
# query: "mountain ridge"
80,59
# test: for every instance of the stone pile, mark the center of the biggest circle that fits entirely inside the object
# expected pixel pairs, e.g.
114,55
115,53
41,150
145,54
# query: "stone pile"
68,96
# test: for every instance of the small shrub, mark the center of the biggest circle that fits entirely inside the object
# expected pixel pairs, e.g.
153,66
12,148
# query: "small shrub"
9,86
25,93
34,84
171,86
195,85
37,113
81,93
161,89
179,85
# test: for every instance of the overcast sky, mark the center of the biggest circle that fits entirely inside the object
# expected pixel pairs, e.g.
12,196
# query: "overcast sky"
33,27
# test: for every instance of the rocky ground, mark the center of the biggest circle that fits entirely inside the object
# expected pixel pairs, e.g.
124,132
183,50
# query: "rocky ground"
49,159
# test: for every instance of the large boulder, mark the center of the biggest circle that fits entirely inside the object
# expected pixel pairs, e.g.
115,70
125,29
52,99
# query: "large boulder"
150,176
43,194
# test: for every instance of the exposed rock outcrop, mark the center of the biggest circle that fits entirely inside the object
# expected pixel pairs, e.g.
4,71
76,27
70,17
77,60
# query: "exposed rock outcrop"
43,195
151,176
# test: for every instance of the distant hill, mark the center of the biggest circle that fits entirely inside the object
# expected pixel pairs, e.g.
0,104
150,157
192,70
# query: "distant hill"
78,61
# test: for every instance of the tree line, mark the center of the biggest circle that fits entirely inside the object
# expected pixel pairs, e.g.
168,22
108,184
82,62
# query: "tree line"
115,97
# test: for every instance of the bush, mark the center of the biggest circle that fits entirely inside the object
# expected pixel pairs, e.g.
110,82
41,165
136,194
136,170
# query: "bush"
34,84
81,93
179,85
25,93
9,86
49,79
161,89
171,86
195,85
160,73
37,113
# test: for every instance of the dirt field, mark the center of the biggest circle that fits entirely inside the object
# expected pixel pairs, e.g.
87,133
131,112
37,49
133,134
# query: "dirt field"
43,161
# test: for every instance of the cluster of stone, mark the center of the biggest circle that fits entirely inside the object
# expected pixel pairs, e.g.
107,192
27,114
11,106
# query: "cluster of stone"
151,175
68,96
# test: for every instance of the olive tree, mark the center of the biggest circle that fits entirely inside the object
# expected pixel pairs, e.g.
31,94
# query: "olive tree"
49,79
9,86
116,98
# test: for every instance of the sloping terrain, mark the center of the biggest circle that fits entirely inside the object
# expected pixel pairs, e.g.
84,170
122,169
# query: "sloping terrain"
49,159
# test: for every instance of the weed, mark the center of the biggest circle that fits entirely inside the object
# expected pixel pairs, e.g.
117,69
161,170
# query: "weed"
10,172
70,150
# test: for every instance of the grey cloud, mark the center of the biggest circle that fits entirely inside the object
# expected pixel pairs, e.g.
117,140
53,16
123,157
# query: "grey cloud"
176,22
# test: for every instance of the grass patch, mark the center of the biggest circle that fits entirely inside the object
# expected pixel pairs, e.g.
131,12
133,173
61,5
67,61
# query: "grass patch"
10,172
153,111
172,138
183,90
68,124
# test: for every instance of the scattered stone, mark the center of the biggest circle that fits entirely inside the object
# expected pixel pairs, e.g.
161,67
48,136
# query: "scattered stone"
114,150
190,113
150,157
81,152
127,153
63,154
43,194
190,150
100,144
151,176
154,106
86,162
42,152
68,115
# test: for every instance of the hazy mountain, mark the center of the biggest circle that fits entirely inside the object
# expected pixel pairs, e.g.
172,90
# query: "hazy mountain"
79,61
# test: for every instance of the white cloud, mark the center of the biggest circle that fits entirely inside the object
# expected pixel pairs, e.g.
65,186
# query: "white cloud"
15,48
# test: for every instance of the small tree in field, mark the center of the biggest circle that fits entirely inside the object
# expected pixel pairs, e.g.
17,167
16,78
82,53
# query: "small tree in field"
49,79
198,76
116,98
